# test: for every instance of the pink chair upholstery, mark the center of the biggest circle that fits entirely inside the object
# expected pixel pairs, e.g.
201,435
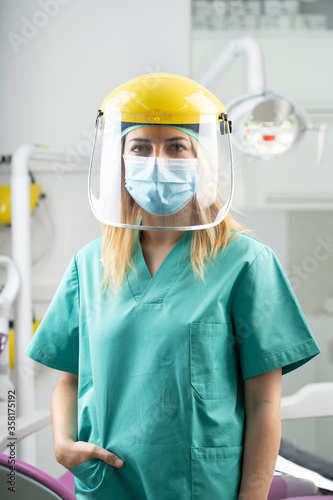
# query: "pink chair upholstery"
63,488
67,480
278,488
284,487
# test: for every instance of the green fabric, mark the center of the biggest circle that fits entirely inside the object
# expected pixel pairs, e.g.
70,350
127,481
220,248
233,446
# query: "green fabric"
161,365
187,131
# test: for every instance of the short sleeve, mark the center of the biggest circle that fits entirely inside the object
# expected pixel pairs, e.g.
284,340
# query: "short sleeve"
56,341
270,328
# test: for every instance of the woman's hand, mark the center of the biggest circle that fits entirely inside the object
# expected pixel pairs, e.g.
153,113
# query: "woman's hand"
72,453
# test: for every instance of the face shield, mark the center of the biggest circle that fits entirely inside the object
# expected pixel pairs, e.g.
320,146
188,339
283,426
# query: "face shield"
171,176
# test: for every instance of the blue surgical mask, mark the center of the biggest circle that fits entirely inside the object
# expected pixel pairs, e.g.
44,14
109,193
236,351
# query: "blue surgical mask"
161,186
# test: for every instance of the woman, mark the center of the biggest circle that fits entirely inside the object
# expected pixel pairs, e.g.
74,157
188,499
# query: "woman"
173,329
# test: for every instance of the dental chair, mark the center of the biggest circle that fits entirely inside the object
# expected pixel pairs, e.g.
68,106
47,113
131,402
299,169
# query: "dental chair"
314,476
31,483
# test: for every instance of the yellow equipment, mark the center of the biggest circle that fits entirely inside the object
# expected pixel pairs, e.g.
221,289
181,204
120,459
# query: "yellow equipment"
5,205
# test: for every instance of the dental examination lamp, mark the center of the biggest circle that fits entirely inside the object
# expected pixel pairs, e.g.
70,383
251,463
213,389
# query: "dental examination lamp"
265,125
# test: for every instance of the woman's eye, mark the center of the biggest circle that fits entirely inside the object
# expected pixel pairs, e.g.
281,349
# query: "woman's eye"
140,148
177,147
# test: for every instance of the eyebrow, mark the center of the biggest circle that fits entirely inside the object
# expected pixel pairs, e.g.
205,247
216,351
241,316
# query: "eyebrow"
166,140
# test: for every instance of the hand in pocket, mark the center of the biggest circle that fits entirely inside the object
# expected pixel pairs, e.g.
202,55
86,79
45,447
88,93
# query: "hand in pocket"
73,453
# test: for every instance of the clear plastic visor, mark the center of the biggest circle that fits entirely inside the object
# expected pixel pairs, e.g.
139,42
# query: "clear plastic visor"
170,176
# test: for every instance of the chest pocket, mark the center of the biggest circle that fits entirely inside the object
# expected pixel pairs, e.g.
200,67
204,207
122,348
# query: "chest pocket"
210,347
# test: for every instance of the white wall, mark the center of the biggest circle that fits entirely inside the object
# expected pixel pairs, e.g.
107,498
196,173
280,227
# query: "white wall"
59,59
54,82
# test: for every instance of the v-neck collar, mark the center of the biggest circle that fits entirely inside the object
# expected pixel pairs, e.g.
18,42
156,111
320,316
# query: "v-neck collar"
148,289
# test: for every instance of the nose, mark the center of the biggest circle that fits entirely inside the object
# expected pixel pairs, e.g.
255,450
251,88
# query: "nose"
158,151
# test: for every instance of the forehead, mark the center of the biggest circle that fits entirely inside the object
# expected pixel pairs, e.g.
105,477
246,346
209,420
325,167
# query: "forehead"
156,133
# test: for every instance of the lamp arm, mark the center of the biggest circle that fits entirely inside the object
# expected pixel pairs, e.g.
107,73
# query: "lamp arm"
21,249
256,79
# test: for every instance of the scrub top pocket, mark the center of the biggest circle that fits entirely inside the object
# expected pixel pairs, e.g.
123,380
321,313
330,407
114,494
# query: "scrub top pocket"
209,345
216,472
89,476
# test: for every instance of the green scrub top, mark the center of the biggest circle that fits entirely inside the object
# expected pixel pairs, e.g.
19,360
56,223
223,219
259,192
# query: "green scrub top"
161,365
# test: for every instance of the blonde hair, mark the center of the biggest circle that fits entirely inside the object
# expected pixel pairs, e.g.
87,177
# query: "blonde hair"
118,242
